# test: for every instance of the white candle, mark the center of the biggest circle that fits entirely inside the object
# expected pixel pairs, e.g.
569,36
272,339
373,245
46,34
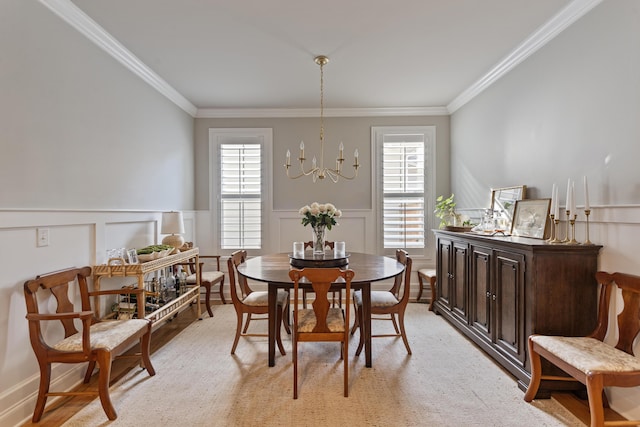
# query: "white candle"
568,207
553,199
341,150
302,149
288,157
586,195
557,207
573,198
355,155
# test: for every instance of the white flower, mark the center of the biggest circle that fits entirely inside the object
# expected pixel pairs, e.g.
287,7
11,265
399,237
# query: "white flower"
338,213
315,210
303,210
322,208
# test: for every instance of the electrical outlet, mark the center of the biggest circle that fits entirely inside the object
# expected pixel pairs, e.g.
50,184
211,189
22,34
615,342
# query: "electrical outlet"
43,237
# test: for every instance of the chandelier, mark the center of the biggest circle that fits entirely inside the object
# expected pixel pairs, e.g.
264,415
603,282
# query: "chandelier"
320,172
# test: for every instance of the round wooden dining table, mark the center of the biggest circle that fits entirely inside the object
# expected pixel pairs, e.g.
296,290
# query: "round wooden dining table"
274,270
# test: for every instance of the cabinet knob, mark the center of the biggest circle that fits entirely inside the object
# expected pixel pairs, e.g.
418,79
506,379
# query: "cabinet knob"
494,297
488,294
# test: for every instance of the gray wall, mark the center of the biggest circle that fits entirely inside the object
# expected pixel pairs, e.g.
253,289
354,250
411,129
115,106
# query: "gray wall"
354,132
571,109
78,130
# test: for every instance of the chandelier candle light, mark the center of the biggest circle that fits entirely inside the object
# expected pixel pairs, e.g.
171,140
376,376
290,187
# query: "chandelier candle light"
320,217
320,172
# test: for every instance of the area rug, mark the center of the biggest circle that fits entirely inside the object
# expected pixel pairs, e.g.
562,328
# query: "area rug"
446,382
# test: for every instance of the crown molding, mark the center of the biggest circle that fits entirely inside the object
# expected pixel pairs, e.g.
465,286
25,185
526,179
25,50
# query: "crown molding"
220,113
543,35
79,20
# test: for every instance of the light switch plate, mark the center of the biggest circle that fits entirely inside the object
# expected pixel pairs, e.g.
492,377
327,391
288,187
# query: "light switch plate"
43,237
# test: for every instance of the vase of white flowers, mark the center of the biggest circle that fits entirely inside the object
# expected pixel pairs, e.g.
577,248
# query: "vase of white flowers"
321,217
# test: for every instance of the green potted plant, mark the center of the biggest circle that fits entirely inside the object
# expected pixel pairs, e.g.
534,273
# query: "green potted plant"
449,219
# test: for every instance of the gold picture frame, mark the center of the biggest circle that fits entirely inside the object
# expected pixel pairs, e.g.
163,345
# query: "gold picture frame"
530,218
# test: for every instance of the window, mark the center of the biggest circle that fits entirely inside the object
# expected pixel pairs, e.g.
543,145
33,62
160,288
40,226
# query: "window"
238,163
403,159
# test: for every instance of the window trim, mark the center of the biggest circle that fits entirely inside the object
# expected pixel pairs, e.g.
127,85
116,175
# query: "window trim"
218,136
377,137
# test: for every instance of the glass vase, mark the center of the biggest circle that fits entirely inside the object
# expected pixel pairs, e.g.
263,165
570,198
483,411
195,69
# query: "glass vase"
318,238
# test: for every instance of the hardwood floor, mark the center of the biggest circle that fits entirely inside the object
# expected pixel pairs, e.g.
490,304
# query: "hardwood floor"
64,408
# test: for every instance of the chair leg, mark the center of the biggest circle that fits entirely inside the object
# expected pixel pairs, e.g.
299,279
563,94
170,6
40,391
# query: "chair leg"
359,315
279,316
536,373
403,332
287,318
45,378
90,368
246,325
304,298
346,363
433,293
239,316
224,301
295,367
395,324
594,392
207,298
145,349
104,362
420,287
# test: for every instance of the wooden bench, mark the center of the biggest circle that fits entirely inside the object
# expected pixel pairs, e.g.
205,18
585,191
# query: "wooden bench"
589,360
96,341
429,275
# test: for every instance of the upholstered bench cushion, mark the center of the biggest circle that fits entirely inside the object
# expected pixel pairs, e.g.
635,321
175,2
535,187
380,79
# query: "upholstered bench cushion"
104,335
261,298
588,354
307,320
378,299
207,276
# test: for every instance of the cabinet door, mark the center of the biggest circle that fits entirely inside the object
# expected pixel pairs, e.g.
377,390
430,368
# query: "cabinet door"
480,291
444,261
509,305
459,280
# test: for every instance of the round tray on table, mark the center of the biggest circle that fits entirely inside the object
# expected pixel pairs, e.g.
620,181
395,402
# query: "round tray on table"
326,260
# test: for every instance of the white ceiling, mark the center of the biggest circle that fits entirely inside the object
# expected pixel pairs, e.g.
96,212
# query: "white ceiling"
394,54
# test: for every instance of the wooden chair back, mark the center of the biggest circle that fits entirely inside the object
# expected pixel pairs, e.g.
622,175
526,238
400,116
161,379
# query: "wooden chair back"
236,281
322,322
58,285
629,317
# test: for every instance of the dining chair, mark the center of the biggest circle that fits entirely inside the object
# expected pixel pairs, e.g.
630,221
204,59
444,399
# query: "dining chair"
388,303
84,337
322,322
590,359
336,293
247,301
208,278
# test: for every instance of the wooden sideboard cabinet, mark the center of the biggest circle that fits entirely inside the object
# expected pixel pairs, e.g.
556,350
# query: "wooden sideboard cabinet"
499,290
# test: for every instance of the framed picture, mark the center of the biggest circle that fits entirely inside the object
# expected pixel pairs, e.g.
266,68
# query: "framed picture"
530,218
504,200
132,256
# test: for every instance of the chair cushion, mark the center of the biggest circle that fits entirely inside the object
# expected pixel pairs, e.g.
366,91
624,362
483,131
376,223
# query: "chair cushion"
207,276
104,335
307,320
378,299
427,272
588,354
261,298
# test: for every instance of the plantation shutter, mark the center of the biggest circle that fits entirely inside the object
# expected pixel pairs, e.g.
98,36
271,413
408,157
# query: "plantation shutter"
240,196
403,191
